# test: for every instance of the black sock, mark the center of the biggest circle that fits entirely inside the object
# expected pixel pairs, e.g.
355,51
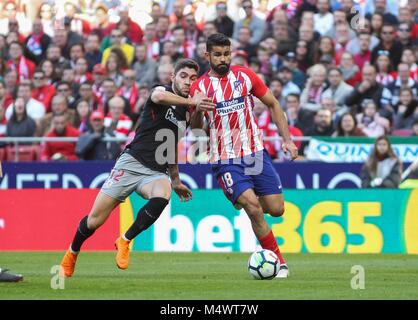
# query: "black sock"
146,217
82,234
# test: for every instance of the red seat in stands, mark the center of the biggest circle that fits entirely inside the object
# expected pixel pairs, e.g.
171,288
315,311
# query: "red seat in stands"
23,153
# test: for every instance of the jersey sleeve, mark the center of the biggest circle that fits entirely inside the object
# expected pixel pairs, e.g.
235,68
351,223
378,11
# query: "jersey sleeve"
259,88
194,88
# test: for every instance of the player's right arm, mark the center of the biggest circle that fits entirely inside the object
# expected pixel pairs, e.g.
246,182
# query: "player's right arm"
163,97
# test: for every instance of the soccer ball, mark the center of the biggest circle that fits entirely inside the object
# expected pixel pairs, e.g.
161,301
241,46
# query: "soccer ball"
263,265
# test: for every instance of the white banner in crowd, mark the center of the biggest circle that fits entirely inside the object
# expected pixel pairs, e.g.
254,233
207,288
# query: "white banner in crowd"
352,151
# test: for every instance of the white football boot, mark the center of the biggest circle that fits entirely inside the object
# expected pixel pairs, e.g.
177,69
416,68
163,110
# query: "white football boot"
283,271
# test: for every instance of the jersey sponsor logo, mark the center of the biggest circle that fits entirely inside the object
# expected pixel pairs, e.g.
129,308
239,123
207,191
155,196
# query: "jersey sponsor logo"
170,116
230,106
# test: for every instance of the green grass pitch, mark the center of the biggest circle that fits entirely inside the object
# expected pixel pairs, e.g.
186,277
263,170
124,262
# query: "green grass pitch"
210,276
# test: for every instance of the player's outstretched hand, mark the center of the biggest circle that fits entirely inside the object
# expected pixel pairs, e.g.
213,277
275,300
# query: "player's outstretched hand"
184,193
202,102
289,147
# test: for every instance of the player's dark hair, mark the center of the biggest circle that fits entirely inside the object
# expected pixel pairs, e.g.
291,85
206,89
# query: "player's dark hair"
186,63
217,40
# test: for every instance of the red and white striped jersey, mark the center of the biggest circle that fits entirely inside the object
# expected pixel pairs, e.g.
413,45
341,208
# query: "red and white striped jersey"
233,130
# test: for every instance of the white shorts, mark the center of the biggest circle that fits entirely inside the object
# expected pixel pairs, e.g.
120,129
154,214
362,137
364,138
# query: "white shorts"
129,175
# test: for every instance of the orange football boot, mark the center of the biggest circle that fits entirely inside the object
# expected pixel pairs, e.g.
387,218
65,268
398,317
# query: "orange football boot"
122,256
68,263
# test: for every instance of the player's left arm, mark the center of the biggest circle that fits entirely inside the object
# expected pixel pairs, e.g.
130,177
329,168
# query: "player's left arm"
184,193
278,116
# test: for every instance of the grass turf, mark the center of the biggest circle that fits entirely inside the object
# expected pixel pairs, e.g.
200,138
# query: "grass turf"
210,276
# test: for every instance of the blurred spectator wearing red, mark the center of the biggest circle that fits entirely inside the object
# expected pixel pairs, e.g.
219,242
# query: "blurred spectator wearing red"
60,151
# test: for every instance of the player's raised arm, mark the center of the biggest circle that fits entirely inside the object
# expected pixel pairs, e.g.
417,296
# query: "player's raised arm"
279,119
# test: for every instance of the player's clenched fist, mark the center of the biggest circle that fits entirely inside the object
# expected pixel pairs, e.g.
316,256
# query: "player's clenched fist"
291,148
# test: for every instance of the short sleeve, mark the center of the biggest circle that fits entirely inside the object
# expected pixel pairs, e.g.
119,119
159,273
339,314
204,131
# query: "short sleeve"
259,88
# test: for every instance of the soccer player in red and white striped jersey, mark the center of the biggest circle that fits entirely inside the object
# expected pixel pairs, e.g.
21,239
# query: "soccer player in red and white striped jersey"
241,165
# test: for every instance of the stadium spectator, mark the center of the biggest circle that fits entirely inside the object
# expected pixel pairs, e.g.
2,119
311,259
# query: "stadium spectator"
163,28
182,46
46,16
93,53
408,57
116,120
371,123
390,44
100,21
81,71
114,69
200,57
90,145
322,125
76,52
338,90
54,56
128,27
36,43
35,109
86,93
68,75
164,73
385,74
42,91
323,20
406,110
109,91
382,168
276,88
145,67
59,105
20,124
192,32
351,72
60,39
73,20
243,42
325,46
224,24
256,25
364,55
129,90
403,80
209,28
3,122
60,150
370,89
81,117
296,116
64,89
151,42
286,76
13,20
360,40
10,82
99,74
347,127
177,16
49,70
116,42
143,93
298,77
24,67
315,86
303,57
404,33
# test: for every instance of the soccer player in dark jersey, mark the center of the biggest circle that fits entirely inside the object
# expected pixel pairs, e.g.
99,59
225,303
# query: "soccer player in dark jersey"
239,161
143,165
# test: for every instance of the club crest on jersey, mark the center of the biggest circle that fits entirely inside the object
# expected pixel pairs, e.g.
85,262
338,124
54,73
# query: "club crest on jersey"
238,86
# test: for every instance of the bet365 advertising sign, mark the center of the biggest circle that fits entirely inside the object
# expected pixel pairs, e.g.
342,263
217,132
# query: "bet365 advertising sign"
315,221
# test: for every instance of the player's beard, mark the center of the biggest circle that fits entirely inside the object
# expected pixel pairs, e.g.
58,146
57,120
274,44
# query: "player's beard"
221,69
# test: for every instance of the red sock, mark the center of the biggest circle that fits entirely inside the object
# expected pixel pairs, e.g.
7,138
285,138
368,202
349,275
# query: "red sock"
269,242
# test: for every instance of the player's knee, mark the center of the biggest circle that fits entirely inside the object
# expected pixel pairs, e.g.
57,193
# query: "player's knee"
94,223
277,210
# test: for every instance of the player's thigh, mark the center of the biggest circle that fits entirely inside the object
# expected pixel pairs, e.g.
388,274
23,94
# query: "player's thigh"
248,200
272,204
157,188
102,208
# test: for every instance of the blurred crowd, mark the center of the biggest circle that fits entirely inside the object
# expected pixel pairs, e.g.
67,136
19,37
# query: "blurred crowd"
85,68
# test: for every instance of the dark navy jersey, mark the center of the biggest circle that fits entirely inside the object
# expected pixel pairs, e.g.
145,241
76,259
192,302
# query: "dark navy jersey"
155,141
